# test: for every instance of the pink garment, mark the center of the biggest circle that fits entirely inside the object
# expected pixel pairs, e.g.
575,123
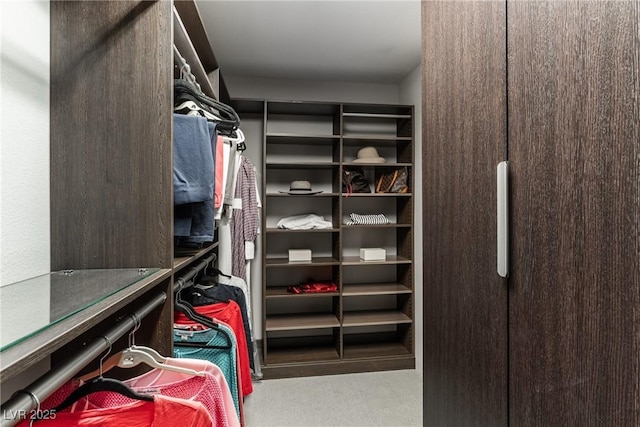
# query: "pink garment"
211,390
220,166
162,412
161,378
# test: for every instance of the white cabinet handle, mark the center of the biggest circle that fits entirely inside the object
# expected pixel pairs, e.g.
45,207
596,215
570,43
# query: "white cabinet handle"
503,218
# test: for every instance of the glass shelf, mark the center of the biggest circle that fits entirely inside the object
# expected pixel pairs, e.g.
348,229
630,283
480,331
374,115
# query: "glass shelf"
35,304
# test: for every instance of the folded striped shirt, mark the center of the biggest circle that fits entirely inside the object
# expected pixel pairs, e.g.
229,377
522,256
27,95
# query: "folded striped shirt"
358,219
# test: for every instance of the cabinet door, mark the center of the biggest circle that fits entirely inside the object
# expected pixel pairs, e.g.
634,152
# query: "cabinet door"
574,148
464,138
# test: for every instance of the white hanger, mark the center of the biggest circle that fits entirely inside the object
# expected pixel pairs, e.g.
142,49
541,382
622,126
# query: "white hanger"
135,355
239,138
195,107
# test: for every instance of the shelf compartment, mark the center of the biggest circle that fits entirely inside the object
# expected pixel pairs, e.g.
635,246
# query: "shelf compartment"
373,139
377,109
377,195
302,165
303,118
188,52
359,226
297,196
285,355
294,349
301,138
374,318
378,115
391,259
285,231
293,322
281,292
366,289
284,262
371,350
376,165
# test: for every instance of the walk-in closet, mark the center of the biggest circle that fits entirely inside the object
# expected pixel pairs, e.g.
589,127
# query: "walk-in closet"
320,213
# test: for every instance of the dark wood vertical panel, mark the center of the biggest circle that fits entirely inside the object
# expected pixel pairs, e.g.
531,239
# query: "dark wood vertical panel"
111,158
464,138
574,120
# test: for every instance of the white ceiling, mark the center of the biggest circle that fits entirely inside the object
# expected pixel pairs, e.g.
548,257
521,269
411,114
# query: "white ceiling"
370,41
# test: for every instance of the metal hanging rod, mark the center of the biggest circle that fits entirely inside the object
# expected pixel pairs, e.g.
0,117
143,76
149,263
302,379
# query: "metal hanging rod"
22,401
180,281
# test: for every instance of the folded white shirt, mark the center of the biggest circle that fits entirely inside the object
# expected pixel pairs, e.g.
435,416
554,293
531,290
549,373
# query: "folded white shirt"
304,222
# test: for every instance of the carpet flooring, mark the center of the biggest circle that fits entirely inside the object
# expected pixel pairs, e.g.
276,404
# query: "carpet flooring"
383,399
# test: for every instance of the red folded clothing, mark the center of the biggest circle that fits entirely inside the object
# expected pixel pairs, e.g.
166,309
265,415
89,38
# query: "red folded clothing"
311,287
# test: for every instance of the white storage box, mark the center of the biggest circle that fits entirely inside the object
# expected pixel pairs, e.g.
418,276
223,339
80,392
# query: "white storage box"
299,255
373,254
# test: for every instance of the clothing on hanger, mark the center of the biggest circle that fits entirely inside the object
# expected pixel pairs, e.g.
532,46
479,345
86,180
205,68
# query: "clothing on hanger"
209,291
192,342
230,314
163,411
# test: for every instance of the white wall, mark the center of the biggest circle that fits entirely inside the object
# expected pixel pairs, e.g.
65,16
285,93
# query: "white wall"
411,93
24,153
24,165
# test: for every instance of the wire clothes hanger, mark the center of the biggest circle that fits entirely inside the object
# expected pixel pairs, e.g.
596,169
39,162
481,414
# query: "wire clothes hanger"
102,384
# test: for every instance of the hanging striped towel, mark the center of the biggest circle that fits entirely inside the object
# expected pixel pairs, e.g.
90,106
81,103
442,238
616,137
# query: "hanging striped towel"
357,219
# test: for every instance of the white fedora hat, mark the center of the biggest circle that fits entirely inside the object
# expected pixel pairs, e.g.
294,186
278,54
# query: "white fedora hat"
300,188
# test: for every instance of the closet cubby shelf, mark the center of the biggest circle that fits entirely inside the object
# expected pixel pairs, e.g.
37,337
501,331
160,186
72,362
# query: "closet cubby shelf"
377,165
360,226
284,262
377,116
377,195
324,139
287,355
301,138
280,230
301,165
391,259
374,289
373,139
370,318
292,322
300,196
373,350
281,292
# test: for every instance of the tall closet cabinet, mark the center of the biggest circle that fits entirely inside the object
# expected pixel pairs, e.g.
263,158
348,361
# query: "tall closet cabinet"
554,89
111,138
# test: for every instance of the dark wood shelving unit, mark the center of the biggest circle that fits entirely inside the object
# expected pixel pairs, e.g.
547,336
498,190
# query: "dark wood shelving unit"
318,140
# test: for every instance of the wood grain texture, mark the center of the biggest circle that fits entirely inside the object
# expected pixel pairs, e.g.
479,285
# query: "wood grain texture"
464,138
111,140
574,148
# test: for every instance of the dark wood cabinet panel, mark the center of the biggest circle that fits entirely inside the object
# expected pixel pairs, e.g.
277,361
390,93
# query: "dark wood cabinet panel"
574,149
464,138
111,161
